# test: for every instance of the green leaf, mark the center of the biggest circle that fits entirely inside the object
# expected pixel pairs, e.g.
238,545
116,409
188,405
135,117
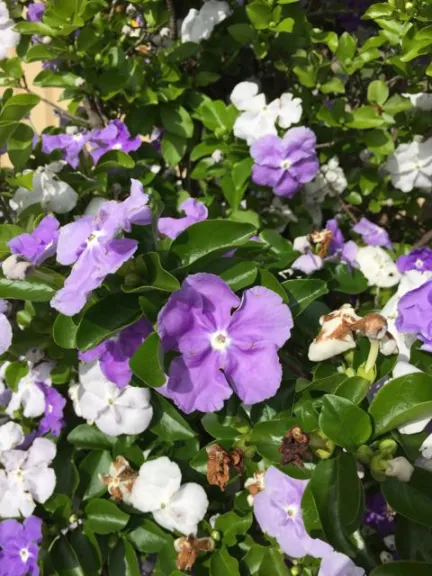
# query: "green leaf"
20,145
232,525
206,238
32,289
177,120
87,550
412,500
378,92
379,142
354,389
147,362
397,104
222,564
403,569
344,422
173,148
90,437
123,560
219,426
378,11
90,468
346,47
149,538
18,107
365,117
286,25
413,540
105,318
302,293
269,281
274,564
64,559
7,232
167,422
333,86
242,33
114,159
259,14
401,401
104,517
156,277
65,329
217,116
238,274
348,281
14,372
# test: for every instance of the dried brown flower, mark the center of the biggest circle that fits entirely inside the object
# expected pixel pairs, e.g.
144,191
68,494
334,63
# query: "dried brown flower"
323,238
187,549
218,465
120,479
295,447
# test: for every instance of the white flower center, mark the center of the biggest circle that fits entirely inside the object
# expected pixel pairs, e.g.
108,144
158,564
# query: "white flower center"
77,137
24,554
291,511
93,239
117,146
50,408
220,340
286,164
110,401
419,263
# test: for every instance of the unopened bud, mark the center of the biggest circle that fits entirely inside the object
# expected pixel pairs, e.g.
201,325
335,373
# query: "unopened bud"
378,466
364,454
387,447
216,535
46,40
16,268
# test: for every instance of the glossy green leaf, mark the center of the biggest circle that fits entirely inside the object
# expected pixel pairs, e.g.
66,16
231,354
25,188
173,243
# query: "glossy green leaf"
90,437
154,275
378,92
65,329
123,560
232,526
147,362
104,517
344,422
64,559
412,500
177,120
149,537
302,293
222,564
32,289
114,159
20,145
173,148
94,464
267,437
167,422
403,569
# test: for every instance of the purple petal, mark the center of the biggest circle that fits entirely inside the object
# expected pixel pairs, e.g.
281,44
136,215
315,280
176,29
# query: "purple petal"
72,240
308,263
9,529
33,528
40,244
93,354
372,234
195,212
286,186
265,176
267,151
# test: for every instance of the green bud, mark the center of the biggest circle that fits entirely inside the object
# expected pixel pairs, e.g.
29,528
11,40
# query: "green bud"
387,447
296,571
364,454
216,535
378,466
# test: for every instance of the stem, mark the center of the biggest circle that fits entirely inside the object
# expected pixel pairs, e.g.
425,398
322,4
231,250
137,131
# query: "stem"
425,239
347,210
94,114
172,19
373,355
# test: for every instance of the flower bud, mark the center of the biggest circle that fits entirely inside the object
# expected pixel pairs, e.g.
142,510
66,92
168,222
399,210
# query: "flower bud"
378,466
364,454
387,447
216,535
400,468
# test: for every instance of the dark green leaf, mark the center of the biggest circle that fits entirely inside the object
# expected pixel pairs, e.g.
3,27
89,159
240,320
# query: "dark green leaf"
167,422
177,120
64,559
147,362
149,538
222,564
90,437
302,293
413,502
344,422
31,289
403,569
104,517
232,525
114,159
93,465
123,560
65,329
173,148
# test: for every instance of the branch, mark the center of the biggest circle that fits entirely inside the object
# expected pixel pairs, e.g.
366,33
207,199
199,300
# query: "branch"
348,211
57,108
172,23
425,239
94,114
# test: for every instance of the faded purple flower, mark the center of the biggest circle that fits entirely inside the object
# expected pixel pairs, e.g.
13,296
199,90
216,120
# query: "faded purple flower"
114,354
40,244
35,11
337,564
222,351
195,212
418,259
278,512
415,314
52,421
71,144
378,515
372,234
19,551
115,136
285,164
346,250
308,263
91,245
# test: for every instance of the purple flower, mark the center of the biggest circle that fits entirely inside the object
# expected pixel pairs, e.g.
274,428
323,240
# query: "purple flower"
40,244
278,512
222,351
19,551
308,263
115,136
35,11
372,234
346,250
71,144
114,354
91,245
418,259
52,421
415,314
337,564
378,516
285,164
195,212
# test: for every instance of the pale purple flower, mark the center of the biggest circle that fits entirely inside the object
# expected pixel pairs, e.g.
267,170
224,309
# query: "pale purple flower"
415,314
71,144
195,212
52,421
346,250
35,11
19,551
418,259
285,164
222,351
378,515
91,245
114,354
115,136
337,564
308,263
278,512
40,244
372,234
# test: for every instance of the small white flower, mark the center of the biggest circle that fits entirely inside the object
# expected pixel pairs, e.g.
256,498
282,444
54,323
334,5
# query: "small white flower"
330,181
115,411
411,166
28,395
290,110
422,100
426,448
198,25
377,266
15,267
217,156
11,436
400,468
8,37
46,40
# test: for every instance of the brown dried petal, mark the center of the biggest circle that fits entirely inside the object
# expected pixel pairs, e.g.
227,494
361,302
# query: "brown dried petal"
324,238
121,479
295,447
187,550
218,466
373,326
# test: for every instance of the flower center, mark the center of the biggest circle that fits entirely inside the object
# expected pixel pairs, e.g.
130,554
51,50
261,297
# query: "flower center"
286,164
220,340
117,146
93,238
24,554
291,511
110,401
50,408
419,263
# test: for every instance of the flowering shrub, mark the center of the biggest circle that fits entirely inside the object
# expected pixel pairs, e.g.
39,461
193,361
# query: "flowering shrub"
216,288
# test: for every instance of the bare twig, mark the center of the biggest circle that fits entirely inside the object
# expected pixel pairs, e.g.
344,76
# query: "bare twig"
57,108
172,23
425,239
112,10
95,117
348,211
5,208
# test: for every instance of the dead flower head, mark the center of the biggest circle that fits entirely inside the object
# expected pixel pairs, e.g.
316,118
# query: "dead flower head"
322,240
295,447
218,465
187,549
120,479
254,485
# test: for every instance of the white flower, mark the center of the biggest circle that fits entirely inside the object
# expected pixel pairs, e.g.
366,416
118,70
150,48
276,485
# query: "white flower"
290,110
26,478
426,448
115,411
94,206
198,25
400,468
336,336
422,100
377,266
11,436
330,181
411,166
158,490
53,195
28,395
16,268
8,37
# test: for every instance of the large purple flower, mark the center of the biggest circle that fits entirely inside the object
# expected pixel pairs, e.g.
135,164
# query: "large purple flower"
114,354
71,144
372,234
285,164
222,351
19,551
278,512
52,421
115,136
91,245
35,11
40,244
418,259
195,212
415,314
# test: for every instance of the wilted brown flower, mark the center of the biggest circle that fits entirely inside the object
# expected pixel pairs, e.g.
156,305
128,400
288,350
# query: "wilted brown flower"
218,465
254,486
323,238
120,479
187,549
295,447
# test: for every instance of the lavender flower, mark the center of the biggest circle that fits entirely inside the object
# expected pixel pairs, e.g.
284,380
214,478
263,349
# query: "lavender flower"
418,259
91,245
372,234
52,421
71,144
277,509
114,354
40,244
195,212
285,164
115,136
19,551
337,564
35,11
346,250
377,515
221,351
415,314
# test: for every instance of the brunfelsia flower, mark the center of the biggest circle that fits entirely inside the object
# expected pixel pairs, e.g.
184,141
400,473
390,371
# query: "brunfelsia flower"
195,212
414,314
174,506
222,351
114,354
26,478
52,421
28,396
115,136
6,333
378,515
11,436
411,166
19,549
8,37
91,245
40,244
377,266
199,24
71,143
337,564
277,509
421,100
285,164
35,11
372,234
418,259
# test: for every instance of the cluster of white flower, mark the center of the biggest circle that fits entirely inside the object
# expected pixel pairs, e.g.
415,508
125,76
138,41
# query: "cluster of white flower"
259,118
199,24
421,100
8,37
411,165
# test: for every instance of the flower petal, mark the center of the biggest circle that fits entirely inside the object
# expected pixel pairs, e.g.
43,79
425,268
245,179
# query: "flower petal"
157,482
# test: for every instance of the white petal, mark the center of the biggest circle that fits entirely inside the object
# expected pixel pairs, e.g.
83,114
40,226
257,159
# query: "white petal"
400,468
319,351
59,197
42,451
243,93
157,482
185,510
90,406
14,500
290,110
13,459
24,198
40,482
94,206
11,436
187,27
426,447
377,266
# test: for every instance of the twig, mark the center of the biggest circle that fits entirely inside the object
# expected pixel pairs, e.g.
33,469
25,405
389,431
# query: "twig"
326,144
347,210
112,10
95,118
172,23
57,108
425,239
